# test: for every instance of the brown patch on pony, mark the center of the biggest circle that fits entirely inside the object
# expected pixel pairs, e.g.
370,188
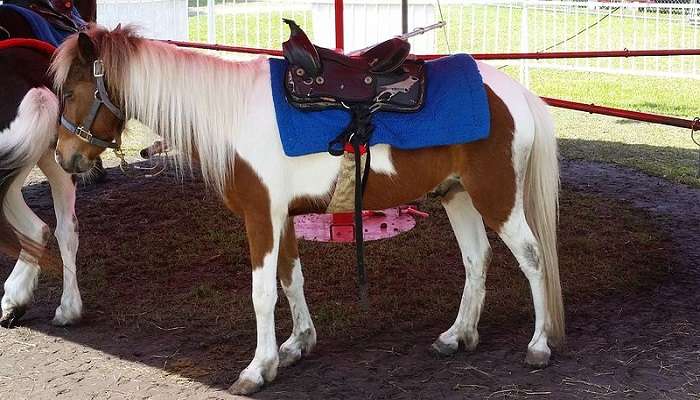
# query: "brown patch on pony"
485,168
289,252
248,197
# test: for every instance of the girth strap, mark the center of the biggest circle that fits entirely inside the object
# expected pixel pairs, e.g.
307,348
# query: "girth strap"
358,134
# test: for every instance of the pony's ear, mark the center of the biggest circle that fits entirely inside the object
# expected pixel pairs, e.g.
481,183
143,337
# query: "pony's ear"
86,48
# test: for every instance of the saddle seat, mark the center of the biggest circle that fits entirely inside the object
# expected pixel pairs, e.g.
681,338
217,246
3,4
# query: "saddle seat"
382,76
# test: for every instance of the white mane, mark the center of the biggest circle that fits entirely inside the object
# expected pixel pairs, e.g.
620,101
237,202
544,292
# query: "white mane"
198,103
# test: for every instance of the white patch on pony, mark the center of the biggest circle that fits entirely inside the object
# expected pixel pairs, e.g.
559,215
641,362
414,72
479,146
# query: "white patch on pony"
303,337
32,131
381,162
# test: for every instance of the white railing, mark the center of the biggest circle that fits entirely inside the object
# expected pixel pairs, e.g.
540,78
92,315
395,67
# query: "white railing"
474,26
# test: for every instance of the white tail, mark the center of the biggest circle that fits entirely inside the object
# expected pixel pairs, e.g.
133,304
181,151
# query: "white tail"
32,131
542,209
21,145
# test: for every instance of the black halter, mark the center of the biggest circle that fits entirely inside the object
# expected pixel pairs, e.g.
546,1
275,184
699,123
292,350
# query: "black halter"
101,98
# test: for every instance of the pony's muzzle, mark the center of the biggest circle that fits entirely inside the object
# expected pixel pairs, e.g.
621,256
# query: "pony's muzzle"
76,164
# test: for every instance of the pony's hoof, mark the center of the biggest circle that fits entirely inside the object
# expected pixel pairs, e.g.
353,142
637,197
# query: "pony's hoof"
245,386
11,318
537,359
65,318
289,357
442,349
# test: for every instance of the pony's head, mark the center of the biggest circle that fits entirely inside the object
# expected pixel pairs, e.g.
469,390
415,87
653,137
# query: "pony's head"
87,72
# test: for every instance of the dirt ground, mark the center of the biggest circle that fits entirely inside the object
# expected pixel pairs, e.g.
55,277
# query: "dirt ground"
166,285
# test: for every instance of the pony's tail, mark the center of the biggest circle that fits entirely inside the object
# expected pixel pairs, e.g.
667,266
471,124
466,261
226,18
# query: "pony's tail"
542,210
21,145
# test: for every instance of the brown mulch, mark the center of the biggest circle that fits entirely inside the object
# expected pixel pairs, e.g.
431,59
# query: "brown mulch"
166,285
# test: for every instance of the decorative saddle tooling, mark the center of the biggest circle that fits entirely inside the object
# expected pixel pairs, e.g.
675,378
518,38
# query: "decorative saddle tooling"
51,20
345,104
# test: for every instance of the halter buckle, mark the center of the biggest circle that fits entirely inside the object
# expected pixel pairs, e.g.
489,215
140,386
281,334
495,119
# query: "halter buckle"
83,134
98,69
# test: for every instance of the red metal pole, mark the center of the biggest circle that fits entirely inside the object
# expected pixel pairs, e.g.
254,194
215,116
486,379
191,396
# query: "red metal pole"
339,26
574,54
618,112
478,56
222,47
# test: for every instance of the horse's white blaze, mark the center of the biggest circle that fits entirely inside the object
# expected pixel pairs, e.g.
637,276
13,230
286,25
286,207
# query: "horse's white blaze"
303,337
470,232
32,130
63,193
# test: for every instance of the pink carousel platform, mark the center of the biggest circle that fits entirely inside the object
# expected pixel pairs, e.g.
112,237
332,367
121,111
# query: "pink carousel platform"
340,228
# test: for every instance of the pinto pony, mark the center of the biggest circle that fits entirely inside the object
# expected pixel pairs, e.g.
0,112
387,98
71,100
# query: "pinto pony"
220,114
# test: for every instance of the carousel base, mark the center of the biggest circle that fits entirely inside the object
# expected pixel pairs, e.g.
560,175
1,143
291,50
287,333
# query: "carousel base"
339,227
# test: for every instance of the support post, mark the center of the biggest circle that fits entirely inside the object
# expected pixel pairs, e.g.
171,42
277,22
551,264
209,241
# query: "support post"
524,37
339,26
211,22
404,16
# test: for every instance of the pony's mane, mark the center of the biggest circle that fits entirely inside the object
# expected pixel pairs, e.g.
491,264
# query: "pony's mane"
114,47
196,102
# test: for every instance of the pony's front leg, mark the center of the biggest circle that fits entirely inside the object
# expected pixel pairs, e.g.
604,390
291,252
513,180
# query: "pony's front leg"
63,192
303,337
264,232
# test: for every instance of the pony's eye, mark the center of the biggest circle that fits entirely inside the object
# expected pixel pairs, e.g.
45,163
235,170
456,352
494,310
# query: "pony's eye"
67,95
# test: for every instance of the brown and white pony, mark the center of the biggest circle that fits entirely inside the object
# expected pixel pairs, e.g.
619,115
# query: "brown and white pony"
220,114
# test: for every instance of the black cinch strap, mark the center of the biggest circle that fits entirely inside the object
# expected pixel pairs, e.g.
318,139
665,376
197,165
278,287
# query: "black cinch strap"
358,134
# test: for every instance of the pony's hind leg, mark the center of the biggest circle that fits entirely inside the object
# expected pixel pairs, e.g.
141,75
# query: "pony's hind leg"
20,285
468,227
63,193
303,337
518,236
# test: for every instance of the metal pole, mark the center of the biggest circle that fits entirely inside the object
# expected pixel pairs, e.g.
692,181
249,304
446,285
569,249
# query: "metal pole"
211,22
339,26
404,16
524,46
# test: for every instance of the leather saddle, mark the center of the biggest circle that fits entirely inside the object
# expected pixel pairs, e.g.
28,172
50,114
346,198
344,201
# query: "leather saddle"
58,13
382,76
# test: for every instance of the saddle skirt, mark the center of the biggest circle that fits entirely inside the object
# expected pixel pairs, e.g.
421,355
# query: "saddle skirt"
455,110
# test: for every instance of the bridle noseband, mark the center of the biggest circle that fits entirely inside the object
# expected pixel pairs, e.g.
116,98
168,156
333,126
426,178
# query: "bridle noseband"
101,98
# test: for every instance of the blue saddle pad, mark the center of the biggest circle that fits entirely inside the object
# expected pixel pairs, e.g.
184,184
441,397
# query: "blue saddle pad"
42,29
455,111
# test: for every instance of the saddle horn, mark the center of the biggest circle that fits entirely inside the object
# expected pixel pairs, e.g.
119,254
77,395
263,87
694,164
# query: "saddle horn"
299,50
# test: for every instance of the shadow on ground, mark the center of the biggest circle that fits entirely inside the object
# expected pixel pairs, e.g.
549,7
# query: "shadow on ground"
165,281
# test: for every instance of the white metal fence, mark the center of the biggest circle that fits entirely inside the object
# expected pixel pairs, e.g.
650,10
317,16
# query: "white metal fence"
473,26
